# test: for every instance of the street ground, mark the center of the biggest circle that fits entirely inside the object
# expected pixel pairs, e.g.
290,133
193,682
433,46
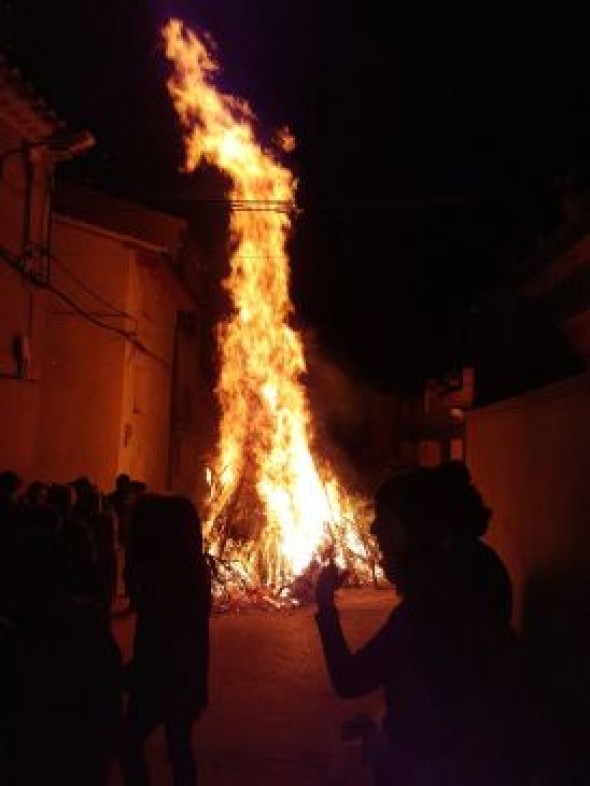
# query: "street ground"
273,717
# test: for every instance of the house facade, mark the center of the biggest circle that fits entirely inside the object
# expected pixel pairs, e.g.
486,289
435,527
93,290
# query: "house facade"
32,142
120,347
100,337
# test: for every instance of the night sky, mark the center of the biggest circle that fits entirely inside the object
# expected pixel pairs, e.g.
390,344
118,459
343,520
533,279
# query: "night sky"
434,141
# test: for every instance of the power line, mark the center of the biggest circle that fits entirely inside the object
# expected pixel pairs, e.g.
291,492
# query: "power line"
127,335
99,298
354,204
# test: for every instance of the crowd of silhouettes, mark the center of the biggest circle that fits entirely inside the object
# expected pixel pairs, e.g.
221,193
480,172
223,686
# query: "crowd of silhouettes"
62,679
459,707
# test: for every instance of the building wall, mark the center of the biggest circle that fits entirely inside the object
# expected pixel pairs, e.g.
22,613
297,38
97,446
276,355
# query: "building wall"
530,456
107,400
192,418
94,402
22,309
155,297
81,408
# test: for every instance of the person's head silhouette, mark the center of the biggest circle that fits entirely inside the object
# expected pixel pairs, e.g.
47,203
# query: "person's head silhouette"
409,527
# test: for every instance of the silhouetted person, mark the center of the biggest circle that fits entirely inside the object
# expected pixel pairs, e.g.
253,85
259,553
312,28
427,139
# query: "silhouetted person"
99,528
10,524
168,673
477,572
11,521
61,498
556,638
10,484
44,588
68,670
103,531
449,668
136,490
9,703
117,501
35,495
118,505
81,572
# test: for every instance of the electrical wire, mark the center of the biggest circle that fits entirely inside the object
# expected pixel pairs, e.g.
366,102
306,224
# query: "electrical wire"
83,286
127,335
356,205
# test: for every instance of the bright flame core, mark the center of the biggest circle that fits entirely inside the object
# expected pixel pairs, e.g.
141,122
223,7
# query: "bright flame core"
265,430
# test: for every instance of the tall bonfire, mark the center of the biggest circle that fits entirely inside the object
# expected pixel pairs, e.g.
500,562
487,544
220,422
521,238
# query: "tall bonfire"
274,506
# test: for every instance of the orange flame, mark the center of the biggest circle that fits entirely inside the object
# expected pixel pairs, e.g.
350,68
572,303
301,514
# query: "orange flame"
265,430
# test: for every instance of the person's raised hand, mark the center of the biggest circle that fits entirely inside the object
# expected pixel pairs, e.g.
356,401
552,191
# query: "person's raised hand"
330,579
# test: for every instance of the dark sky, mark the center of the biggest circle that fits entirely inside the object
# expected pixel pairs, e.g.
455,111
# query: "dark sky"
432,141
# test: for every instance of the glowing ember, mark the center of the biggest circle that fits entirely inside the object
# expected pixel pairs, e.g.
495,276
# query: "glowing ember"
272,507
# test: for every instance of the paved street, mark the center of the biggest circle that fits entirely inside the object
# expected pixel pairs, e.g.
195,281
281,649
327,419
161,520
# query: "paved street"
273,718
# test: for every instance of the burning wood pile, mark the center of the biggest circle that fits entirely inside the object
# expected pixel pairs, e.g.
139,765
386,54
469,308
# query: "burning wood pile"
275,511
239,569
